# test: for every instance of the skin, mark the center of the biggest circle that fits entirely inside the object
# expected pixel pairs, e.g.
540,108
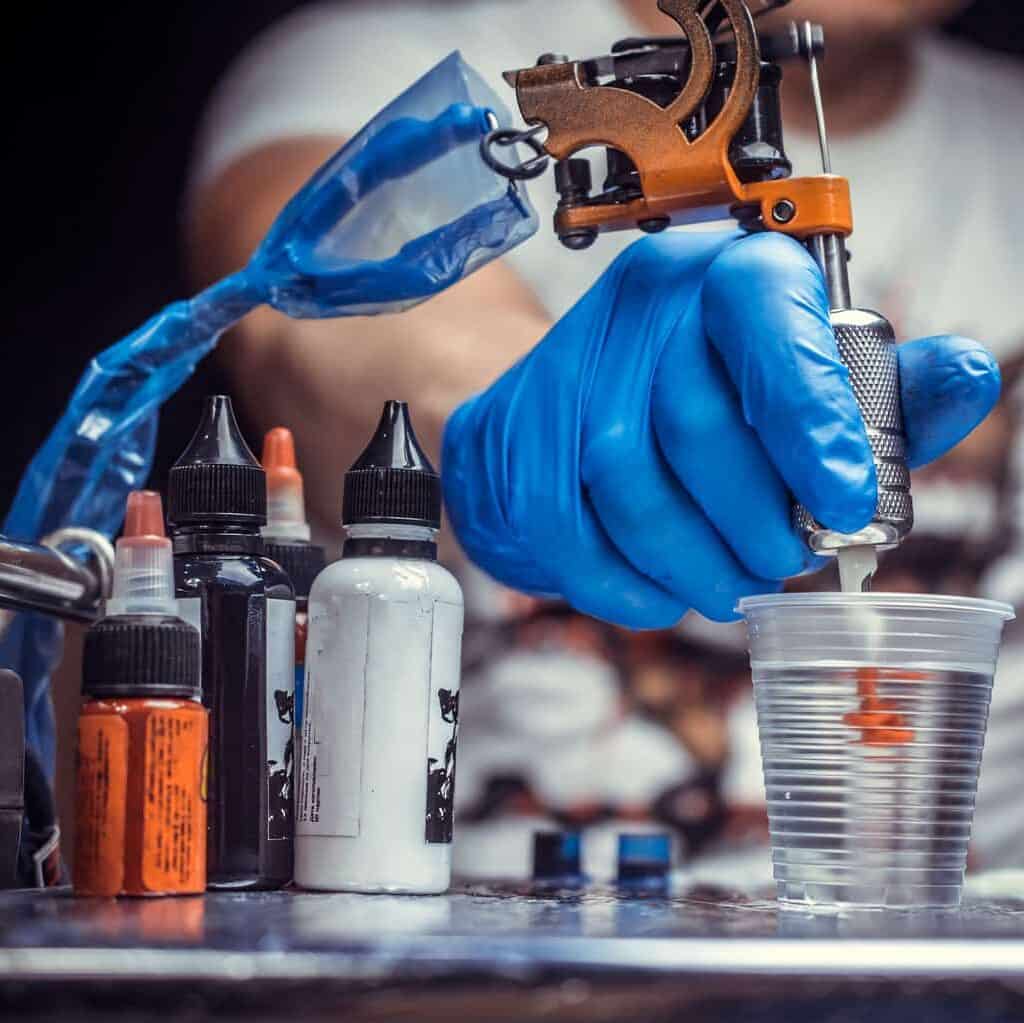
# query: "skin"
848,19
860,34
331,378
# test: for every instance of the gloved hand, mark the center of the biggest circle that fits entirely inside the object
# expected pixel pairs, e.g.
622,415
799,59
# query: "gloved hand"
639,461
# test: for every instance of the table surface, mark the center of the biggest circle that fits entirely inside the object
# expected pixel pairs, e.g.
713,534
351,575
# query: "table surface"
491,930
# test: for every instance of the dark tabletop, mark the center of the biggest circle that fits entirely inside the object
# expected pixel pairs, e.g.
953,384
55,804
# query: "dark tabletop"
506,952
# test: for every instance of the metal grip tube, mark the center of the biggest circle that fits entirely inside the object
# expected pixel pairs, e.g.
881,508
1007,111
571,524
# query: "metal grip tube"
867,346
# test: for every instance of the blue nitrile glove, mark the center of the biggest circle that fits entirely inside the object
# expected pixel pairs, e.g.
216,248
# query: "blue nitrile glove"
639,461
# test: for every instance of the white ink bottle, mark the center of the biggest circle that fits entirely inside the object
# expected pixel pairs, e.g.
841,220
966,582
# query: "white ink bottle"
377,748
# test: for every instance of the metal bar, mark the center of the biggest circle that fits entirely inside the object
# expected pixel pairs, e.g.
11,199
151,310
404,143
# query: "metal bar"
39,578
819,105
830,252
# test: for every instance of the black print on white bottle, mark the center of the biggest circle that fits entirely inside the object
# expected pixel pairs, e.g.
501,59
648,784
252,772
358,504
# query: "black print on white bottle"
280,719
444,726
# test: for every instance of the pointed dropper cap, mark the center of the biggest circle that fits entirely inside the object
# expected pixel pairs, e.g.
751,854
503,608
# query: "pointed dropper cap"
286,504
142,648
143,563
393,480
217,480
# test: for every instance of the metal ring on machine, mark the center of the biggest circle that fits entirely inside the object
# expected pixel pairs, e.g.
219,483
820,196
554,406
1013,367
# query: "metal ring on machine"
508,137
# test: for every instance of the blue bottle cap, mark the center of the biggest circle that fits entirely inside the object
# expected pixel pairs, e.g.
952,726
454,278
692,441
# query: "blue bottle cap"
646,857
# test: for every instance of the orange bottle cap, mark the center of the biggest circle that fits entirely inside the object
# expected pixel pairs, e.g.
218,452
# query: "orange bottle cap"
143,566
144,516
286,506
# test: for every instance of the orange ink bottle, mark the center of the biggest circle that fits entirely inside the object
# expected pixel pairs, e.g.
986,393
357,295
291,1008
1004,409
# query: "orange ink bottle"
142,735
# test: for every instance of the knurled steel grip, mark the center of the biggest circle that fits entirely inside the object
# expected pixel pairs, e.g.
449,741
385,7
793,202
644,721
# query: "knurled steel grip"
867,346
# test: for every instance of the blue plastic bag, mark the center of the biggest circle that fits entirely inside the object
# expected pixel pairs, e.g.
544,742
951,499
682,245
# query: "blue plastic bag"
407,209
402,212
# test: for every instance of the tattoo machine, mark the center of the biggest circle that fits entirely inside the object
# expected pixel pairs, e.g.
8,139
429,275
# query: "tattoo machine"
693,129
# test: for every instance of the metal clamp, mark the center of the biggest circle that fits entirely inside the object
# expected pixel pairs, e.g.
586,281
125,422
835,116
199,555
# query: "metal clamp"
43,577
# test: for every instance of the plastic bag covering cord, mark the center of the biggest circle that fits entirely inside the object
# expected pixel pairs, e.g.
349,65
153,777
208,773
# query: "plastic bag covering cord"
406,209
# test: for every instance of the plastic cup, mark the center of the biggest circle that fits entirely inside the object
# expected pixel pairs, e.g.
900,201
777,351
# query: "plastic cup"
872,711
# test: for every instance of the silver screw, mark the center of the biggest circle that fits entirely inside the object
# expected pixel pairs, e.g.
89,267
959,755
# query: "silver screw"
784,211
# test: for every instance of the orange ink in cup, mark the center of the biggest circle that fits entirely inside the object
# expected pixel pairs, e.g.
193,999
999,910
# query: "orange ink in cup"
881,724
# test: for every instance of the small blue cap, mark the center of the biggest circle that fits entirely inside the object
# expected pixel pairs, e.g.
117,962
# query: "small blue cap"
644,857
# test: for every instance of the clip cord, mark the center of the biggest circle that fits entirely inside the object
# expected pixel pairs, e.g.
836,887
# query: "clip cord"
508,137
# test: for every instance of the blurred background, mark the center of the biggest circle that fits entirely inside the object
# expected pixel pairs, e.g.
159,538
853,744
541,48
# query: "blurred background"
102,106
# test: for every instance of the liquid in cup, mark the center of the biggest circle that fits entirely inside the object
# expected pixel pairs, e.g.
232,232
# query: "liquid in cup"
872,710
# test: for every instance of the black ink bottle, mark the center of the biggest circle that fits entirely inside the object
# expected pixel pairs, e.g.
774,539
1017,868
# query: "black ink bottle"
244,607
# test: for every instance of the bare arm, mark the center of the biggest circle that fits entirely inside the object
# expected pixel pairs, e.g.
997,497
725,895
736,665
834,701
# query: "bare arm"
327,380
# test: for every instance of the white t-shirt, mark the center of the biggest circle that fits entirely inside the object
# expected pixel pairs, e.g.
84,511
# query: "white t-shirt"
938,240
938,231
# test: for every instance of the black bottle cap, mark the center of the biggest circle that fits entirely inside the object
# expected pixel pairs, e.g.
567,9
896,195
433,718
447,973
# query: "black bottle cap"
393,480
141,655
217,479
556,855
302,562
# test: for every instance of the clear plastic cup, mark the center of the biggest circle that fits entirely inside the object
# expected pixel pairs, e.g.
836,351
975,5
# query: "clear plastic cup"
872,711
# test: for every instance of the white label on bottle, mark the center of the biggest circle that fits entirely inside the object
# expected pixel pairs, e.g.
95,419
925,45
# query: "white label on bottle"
280,708
380,718
333,717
